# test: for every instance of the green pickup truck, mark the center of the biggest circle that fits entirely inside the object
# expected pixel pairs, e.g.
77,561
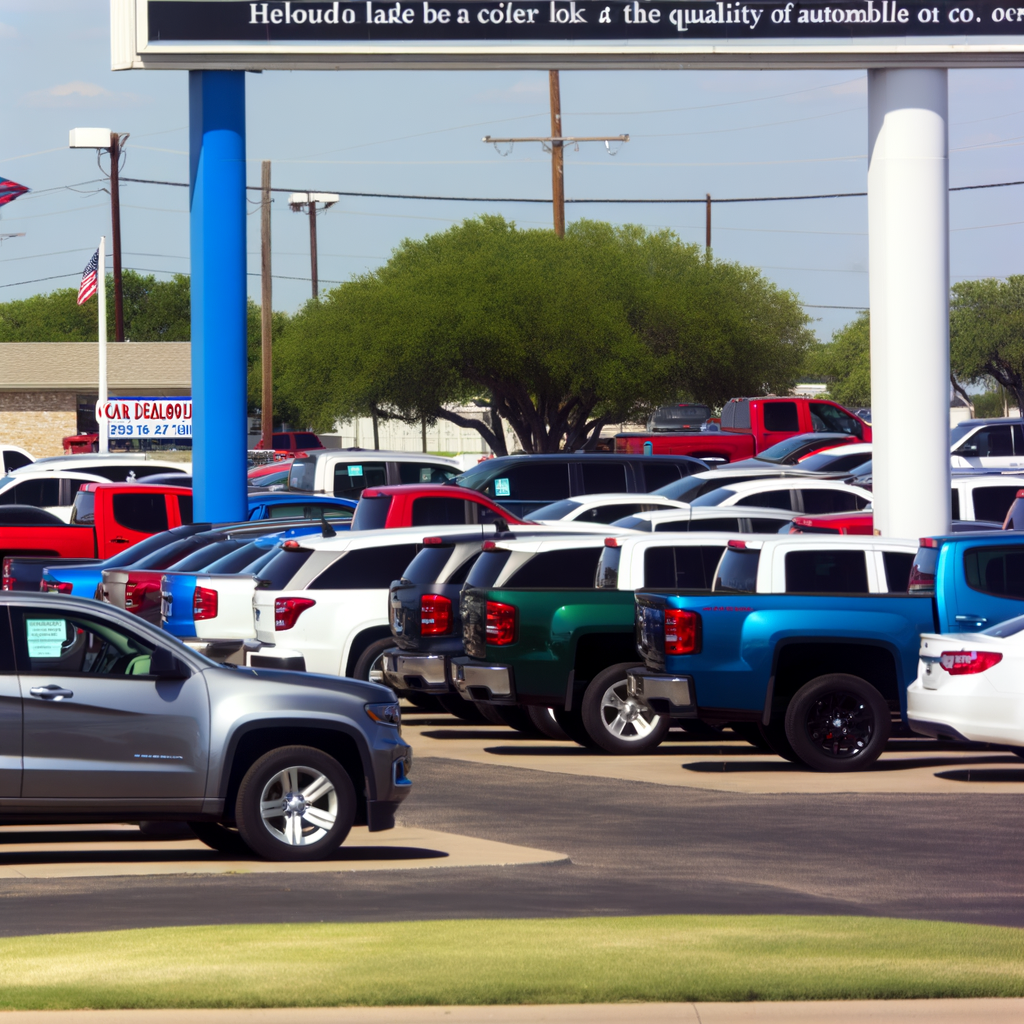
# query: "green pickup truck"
557,629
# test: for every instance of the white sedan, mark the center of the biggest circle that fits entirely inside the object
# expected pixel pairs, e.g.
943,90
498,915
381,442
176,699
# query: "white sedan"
602,508
970,686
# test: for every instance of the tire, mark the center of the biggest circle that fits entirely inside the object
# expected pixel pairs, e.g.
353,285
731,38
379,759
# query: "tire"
571,723
220,838
699,730
490,714
368,664
617,722
423,701
751,732
774,735
517,717
838,723
306,831
543,720
460,708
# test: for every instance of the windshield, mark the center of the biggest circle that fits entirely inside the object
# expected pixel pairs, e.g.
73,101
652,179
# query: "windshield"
372,513
476,479
715,497
1011,627
825,461
786,451
556,510
686,489
669,417
957,434
737,572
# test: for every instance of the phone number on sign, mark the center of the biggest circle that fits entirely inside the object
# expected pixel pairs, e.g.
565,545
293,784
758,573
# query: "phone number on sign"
150,430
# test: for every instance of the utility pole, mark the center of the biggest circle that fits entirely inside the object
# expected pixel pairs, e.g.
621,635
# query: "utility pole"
556,141
266,314
115,232
298,201
707,232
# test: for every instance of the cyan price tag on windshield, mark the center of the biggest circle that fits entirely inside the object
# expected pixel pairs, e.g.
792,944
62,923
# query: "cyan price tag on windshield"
501,488
355,470
45,637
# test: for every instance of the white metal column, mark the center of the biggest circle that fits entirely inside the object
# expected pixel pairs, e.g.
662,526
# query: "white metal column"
908,244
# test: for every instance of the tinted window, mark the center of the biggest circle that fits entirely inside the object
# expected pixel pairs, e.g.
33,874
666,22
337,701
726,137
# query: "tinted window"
282,440
767,525
83,512
372,513
829,418
366,568
989,442
424,473
686,489
167,555
15,460
633,523
204,556
607,576
237,560
185,508
565,570
609,513
715,497
737,571
33,492
897,570
556,510
143,513
487,568
685,568
955,503
998,571
826,572
69,644
302,510
736,414
601,476
834,463
730,525
672,417
821,502
993,503
307,441
680,525
461,574
781,416
438,511
279,571
7,664
351,478
541,481
768,499
657,474
302,476
426,567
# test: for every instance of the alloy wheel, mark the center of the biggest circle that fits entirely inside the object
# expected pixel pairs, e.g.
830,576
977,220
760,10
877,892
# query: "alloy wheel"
299,806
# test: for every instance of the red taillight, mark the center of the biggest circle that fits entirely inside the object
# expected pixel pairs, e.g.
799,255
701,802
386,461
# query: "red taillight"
967,663
435,615
55,588
612,542
929,542
288,609
738,545
488,545
9,580
501,623
682,632
204,604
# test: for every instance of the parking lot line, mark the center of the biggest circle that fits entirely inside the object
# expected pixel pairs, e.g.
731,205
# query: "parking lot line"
732,766
81,851
859,1011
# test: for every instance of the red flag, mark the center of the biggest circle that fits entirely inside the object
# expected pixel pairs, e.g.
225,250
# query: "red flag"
10,190
87,289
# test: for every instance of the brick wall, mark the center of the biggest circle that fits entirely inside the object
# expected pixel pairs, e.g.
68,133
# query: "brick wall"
37,420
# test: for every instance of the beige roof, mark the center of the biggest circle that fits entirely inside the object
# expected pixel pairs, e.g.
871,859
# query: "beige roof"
137,367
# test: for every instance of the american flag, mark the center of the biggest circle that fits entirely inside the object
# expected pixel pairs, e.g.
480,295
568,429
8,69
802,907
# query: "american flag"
87,289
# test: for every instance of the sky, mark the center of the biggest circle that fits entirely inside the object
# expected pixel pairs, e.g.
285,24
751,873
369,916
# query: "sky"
733,134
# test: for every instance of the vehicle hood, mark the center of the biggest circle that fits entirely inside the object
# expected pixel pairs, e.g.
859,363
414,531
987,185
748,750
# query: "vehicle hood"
371,693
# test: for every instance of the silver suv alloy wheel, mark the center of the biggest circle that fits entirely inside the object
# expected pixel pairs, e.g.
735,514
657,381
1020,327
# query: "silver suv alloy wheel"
299,806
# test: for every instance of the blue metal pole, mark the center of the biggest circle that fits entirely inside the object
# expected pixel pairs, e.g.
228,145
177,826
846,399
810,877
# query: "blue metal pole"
218,247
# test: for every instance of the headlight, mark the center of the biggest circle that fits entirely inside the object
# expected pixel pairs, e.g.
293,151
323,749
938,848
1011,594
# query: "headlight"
385,714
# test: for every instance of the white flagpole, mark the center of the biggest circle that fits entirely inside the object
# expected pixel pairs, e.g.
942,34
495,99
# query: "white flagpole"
101,295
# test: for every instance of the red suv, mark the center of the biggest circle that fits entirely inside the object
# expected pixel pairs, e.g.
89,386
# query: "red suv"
386,508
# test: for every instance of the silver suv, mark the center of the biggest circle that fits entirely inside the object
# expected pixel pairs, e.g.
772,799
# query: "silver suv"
106,718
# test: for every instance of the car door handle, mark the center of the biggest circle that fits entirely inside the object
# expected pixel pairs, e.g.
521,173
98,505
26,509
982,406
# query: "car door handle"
118,540
978,620
51,692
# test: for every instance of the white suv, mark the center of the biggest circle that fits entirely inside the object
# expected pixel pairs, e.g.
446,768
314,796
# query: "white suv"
347,472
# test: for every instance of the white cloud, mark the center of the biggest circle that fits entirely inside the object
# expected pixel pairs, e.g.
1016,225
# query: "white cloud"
79,94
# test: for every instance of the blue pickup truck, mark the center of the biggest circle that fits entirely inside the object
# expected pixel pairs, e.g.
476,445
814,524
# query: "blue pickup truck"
816,639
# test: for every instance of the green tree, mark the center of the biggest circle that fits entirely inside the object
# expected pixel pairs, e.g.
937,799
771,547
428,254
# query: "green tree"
987,333
560,336
844,364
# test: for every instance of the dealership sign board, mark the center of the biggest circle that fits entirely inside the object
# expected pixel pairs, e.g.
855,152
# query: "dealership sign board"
161,418
564,33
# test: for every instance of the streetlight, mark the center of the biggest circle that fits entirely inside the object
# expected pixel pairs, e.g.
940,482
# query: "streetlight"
105,139
302,200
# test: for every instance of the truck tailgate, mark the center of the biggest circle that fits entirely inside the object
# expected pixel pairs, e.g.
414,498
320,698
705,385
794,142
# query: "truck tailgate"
234,619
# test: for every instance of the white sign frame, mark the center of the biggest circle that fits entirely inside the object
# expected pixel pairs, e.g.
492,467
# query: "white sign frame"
151,419
131,47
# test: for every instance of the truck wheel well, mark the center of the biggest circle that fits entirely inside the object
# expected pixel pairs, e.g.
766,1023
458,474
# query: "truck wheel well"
799,663
361,642
257,742
596,651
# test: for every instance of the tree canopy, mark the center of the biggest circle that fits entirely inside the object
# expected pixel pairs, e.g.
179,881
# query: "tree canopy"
557,336
844,364
987,333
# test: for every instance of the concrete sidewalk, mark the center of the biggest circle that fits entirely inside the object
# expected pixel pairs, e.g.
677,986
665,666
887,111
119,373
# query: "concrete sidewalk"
898,1011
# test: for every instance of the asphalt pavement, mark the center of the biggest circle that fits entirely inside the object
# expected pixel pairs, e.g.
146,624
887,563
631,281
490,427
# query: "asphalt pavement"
634,848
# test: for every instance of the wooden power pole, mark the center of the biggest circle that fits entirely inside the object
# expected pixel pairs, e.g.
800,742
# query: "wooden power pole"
115,232
707,229
266,314
556,140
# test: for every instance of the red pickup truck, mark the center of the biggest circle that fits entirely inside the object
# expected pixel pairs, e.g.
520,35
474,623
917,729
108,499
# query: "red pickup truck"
749,426
398,505
105,519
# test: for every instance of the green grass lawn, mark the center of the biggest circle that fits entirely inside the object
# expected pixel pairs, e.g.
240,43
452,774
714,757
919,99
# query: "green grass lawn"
604,959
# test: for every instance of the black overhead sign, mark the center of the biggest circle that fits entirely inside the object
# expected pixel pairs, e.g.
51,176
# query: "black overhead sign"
583,21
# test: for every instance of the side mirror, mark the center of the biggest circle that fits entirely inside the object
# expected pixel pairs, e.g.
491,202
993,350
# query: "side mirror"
164,665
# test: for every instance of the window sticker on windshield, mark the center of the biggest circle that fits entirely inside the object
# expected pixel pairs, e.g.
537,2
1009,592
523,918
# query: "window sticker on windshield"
355,470
425,474
501,488
46,637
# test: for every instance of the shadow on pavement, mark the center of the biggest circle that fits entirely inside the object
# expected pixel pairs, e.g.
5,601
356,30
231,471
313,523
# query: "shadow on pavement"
984,775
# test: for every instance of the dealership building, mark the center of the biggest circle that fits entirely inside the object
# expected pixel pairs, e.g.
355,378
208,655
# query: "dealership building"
48,390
